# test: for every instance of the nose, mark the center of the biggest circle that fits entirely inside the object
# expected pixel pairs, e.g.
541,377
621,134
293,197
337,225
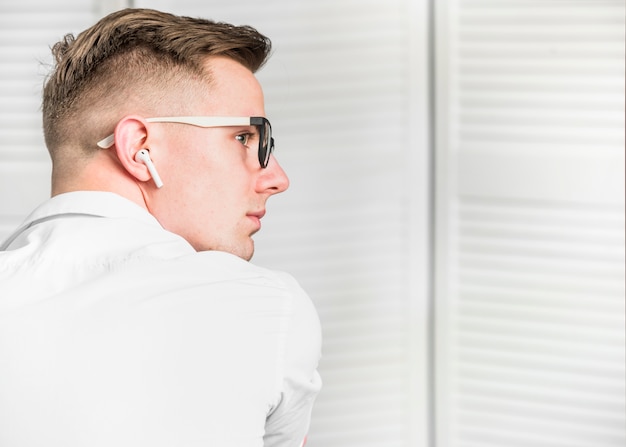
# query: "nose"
273,179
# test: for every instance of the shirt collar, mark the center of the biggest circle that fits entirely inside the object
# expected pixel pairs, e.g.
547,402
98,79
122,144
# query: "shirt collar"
96,203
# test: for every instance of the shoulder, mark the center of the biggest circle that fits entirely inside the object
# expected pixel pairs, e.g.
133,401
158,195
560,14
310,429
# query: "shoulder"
300,326
218,280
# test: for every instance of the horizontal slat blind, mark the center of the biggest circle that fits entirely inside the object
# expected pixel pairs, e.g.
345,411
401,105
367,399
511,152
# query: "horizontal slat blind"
531,263
27,30
337,93
540,325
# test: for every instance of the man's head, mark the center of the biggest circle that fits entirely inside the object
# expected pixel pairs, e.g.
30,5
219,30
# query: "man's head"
138,64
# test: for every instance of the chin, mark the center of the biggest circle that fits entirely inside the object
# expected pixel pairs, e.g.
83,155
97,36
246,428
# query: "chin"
247,256
244,251
250,252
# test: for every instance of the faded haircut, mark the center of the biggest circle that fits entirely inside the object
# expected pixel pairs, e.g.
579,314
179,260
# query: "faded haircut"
135,59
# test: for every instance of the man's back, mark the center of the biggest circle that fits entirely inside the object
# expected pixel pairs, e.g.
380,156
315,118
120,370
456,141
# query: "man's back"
114,331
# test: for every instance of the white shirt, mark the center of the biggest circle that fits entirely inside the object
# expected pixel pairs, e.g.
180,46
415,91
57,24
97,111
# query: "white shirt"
116,332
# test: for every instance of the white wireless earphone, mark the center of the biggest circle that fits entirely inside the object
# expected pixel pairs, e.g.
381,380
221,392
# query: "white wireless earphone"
143,156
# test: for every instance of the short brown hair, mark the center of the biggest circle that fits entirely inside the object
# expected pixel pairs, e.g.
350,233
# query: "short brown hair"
128,55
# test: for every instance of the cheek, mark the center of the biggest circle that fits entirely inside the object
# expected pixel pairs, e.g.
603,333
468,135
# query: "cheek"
208,180
210,195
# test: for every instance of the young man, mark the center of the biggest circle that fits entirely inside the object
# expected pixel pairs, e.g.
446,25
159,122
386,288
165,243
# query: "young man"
129,314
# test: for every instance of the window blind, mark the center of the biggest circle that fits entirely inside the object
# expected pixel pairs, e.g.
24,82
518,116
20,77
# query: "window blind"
27,30
345,93
530,210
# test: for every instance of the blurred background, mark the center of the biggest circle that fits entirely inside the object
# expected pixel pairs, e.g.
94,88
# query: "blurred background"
456,209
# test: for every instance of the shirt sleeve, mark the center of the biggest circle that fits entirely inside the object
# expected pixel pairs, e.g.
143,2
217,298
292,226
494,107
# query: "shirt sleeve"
288,422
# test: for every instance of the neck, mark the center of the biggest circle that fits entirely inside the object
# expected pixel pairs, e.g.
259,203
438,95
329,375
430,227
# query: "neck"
98,173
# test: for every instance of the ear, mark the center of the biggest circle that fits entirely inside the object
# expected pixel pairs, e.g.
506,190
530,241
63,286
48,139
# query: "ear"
131,135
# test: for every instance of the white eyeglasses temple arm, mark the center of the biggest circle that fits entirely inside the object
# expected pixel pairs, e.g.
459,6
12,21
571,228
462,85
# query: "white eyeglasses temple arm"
200,121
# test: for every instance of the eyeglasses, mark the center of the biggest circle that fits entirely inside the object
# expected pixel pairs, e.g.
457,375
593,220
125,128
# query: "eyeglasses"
266,142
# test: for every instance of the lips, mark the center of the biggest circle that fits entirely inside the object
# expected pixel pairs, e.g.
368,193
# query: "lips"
256,218
258,214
